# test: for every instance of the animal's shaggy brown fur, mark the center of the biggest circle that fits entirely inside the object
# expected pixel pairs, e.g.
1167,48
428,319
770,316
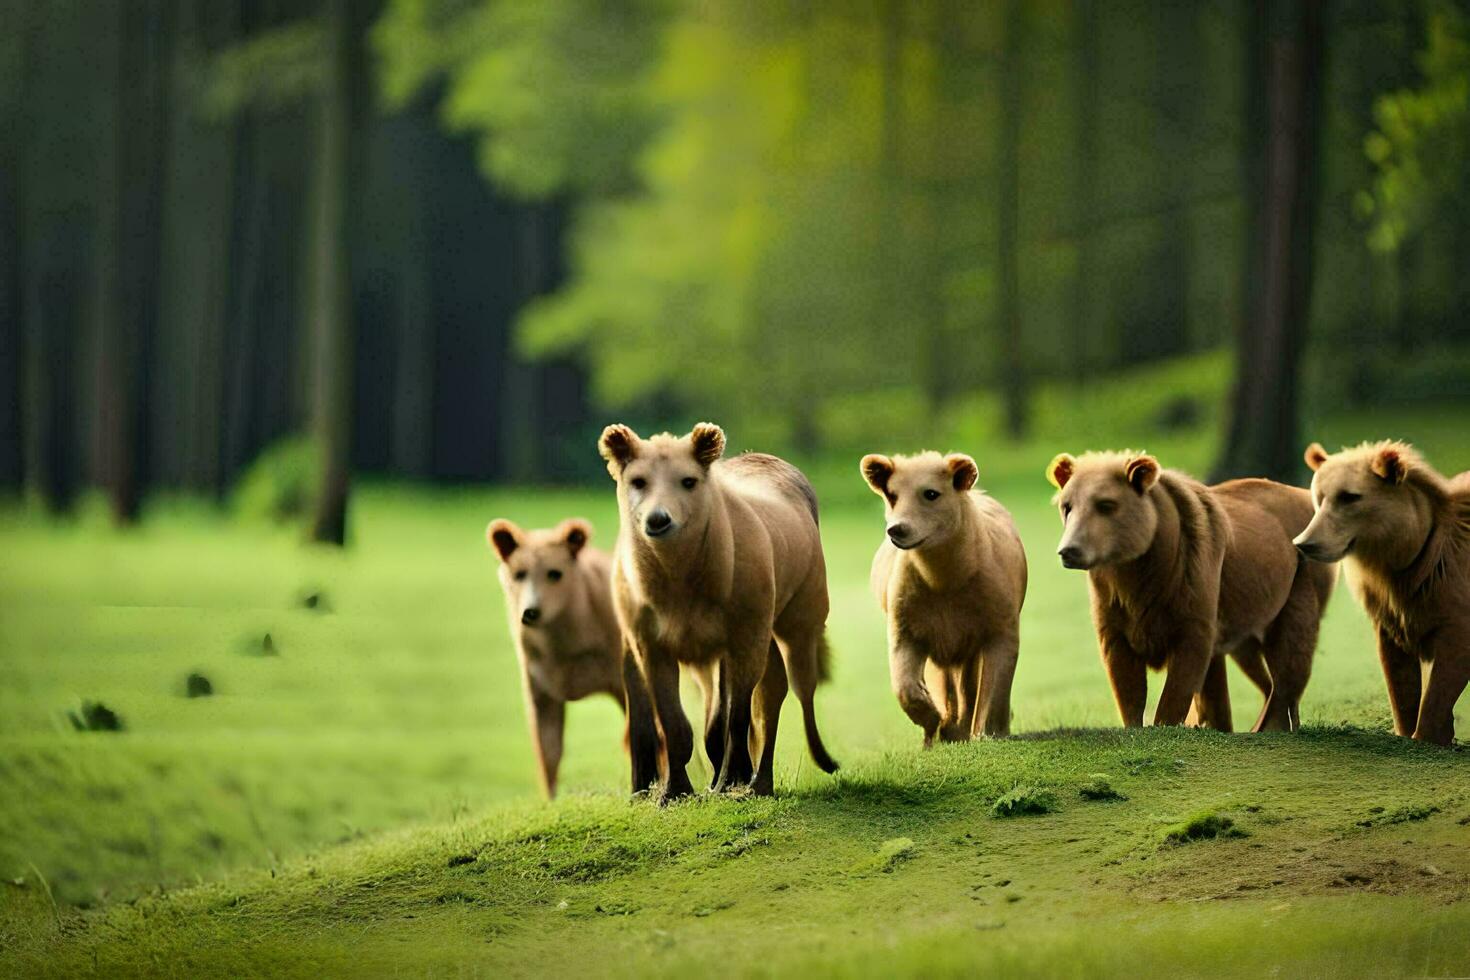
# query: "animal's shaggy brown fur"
719,567
1181,574
1404,533
951,577
558,603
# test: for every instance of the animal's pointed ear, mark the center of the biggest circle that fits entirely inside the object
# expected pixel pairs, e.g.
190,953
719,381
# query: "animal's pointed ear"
708,440
574,533
1315,456
1060,469
876,470
618,445
962,471
1389,464
1141,472
504,537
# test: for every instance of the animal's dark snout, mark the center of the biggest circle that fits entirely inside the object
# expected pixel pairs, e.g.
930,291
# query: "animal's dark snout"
898,533
1070,555
658,522
530,614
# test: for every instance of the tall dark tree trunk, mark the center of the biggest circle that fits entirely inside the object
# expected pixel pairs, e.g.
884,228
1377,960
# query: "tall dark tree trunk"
1285,71
1087,83
1177,60
1014,384
12,249
331,280
129,253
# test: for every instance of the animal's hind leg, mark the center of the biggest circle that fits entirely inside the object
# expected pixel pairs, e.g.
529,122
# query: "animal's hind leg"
1290,644
1449,672
1212,703
769,694
643,740
707,676
740,672
1252,663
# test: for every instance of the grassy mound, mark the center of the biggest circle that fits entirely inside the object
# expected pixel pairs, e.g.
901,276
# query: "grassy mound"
891,868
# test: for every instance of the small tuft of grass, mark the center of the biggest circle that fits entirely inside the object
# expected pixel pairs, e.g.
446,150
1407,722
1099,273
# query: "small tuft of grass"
94,716
261,646
1205,825
196,685
1404,814
1025,801
1099,790
891,853
316,601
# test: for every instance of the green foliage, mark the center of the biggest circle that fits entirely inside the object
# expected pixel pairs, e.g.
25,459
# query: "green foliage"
1420,148
1205,825
281,484
94,716
274,69
1098,789
555,89
1025,801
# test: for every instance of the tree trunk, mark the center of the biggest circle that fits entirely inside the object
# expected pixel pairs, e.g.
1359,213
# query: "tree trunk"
129,254
1014,387
1086,81
330,275
1285,79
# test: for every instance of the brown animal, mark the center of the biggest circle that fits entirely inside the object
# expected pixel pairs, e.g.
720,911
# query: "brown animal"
1404,531
558,602
951,577
1181,573
719,566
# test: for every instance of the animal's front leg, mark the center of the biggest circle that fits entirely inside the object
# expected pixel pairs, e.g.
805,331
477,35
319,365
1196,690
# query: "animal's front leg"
962,686
547,721
740,672
662,671
1402,672
643,742
906,671
997,673
1128,676
1187,668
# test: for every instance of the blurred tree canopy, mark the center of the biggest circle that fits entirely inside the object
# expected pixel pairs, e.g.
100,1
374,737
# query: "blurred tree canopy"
450,237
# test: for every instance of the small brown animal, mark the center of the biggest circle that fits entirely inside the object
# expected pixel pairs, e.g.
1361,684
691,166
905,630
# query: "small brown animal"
951,577
558,602
719,566
1404,531
1181,573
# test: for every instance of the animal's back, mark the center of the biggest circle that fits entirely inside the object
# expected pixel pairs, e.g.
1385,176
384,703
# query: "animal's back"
761,475
1290,506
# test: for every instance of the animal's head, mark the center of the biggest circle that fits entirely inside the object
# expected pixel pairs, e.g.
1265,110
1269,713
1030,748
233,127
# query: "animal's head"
1107,516
537,567
663,481
1365,500
922,494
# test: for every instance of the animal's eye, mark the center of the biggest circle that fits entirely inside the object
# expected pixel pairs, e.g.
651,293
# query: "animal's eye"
521,575
1107,506
1346,497
638,483
1066,510
931,494
554,575
689,482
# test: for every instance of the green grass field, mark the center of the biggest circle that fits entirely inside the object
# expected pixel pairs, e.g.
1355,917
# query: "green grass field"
360,799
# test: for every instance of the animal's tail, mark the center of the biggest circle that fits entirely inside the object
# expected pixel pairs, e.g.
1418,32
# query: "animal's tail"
814,740
824,761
